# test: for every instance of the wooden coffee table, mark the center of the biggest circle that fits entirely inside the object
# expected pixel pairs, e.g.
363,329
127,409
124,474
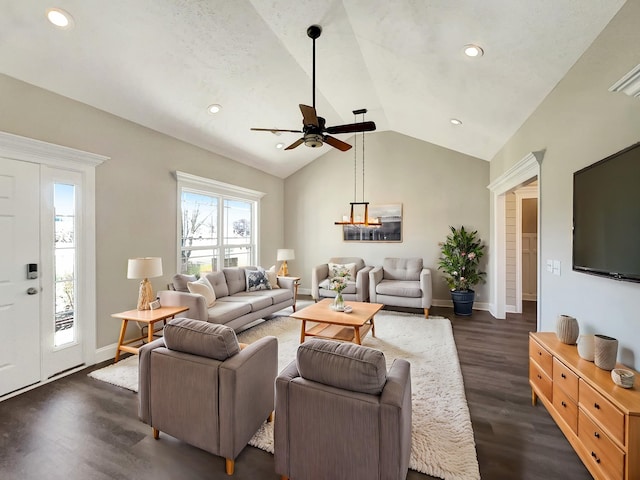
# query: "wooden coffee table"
350,327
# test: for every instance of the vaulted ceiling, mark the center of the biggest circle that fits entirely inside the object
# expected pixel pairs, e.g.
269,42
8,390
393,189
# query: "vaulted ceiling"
161,63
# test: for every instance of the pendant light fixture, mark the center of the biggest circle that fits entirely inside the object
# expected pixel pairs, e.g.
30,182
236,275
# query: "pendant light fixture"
353,219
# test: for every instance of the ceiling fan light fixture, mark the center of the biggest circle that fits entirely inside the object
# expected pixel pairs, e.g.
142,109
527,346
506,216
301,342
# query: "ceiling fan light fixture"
279,146
60,18
313,140
214,108
455,121
472,50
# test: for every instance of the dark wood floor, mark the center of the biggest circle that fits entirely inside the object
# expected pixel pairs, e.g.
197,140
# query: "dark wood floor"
78,428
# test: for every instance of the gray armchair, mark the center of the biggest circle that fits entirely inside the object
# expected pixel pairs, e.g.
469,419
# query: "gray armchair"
341,415
401,282
197,385
357,288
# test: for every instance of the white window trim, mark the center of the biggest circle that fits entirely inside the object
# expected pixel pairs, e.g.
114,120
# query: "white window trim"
207,185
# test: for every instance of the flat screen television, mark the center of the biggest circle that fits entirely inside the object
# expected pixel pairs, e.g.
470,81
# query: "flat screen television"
606,216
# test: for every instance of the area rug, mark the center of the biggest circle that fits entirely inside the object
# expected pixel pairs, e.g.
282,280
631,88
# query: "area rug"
442,443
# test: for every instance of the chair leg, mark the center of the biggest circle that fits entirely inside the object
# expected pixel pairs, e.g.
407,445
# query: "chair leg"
270,417
426,313
156,433
229,465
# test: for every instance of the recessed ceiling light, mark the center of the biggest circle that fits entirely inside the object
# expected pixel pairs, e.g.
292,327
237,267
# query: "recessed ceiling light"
473,50
455,121
60,18
215,108
279,145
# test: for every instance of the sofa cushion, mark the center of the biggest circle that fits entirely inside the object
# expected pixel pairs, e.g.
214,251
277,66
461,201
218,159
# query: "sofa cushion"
343,365
402,268
399,288
180,282
219,283
201,338
256,280
204,288
335,268
235,279
257,302
224,310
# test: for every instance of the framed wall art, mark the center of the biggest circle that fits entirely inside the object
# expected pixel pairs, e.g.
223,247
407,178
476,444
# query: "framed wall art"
390,216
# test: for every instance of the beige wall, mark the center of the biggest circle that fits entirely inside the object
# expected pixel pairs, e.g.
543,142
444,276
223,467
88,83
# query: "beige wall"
135,190
579,123
436,187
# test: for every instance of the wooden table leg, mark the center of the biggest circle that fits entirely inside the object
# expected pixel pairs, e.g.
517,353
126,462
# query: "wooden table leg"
356,330
123,330
303,331
150,332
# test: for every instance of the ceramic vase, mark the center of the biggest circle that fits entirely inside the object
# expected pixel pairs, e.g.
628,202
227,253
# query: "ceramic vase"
586,347
338,303
606,352
567,329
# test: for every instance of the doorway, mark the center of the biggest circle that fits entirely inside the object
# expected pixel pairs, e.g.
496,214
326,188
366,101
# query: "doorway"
47,261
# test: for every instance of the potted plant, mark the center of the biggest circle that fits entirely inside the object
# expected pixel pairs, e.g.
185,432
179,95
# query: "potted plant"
460,258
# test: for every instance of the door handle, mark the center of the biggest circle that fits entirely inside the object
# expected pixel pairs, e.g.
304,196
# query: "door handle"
32,291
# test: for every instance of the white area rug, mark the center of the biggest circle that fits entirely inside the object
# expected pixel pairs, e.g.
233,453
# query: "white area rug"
442,436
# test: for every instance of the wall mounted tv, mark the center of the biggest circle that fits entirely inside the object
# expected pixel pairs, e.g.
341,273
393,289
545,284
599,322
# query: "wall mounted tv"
606,216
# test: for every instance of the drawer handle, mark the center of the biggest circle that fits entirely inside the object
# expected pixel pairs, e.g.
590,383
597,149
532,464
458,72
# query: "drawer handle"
539,377
563,404
596,406
596,434
563,375
593,454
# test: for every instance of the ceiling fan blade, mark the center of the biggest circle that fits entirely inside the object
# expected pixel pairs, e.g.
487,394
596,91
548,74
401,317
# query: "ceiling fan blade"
309,115
272,130
295,144
339,144
352,127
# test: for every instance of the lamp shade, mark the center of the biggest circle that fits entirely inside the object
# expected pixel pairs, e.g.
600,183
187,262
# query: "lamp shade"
147,267
286,254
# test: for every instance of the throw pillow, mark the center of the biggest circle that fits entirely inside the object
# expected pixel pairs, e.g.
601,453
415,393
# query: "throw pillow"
334,270
272,275
204,288
257,280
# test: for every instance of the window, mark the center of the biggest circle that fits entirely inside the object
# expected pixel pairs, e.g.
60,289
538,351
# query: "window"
217,225
64,263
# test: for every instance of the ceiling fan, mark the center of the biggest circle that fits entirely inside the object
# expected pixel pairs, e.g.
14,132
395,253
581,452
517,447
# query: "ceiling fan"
314,131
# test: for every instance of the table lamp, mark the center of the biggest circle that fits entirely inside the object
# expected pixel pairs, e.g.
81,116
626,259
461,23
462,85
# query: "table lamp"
285,254
145,268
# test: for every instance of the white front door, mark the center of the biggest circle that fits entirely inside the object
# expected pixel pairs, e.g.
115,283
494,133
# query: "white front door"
19,295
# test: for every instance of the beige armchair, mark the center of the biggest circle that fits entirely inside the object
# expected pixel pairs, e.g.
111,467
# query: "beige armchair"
401,282
197,385
357,288
340,414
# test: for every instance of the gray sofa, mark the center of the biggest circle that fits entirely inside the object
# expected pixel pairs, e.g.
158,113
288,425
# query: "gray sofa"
197,385
401,282
357,288
234,306
341,415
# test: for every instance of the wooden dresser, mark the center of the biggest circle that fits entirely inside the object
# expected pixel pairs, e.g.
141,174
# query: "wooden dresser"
600,419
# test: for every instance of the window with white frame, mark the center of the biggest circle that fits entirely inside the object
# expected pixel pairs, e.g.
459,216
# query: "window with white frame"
217,225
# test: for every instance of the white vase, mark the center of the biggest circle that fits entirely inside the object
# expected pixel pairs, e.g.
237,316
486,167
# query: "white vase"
586,347
567,329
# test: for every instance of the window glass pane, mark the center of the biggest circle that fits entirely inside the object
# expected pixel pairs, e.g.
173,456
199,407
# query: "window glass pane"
237,257
195,262
64,264
237,222
199,220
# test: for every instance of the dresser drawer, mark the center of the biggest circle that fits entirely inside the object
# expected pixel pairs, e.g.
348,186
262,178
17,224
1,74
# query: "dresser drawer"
602,411
566,407
565,379
541,356
541,380
604,454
